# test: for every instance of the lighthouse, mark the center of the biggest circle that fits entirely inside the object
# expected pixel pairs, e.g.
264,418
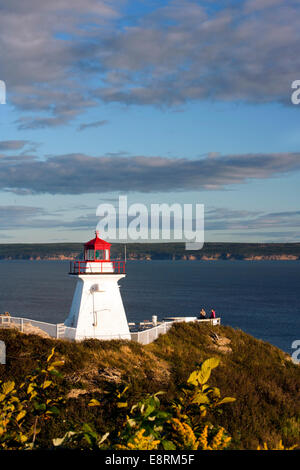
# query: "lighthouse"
97,309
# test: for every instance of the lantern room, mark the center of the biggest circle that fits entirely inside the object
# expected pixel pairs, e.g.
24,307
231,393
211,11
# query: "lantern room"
97,259
97,250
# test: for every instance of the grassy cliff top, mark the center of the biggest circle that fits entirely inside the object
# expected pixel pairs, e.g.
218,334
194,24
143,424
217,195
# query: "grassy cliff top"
262,378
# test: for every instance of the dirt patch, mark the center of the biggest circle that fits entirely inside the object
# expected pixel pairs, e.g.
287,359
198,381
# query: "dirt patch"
110,374
76,392
220,343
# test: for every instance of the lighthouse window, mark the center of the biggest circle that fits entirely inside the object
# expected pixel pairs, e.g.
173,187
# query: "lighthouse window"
99,254
89,255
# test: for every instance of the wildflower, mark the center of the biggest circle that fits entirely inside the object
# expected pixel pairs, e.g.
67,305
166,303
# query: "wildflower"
278,446
140,442
220,440
202,440
187,438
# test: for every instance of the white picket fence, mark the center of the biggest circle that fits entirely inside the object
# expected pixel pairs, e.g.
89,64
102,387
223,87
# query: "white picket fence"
27,325
60,331
151,334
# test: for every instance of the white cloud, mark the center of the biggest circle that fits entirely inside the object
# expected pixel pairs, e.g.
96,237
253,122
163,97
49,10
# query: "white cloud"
59,174
60,58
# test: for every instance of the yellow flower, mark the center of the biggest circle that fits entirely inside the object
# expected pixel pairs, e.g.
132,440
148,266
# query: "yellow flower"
278,446
220,440
141,442
203,438
187,438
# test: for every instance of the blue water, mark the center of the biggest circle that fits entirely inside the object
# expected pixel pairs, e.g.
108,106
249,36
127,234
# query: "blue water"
261,297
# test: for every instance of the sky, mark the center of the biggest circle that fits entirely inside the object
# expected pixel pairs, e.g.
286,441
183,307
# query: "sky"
163,101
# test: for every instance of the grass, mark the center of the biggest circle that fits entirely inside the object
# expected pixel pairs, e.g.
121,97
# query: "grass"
261,377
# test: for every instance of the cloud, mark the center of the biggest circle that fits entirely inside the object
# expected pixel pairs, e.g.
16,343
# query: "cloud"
223,213
265,227
255,5
82,127
186,52
289,236
62,106
14,217
81,174
60,58
6,145
235,220
42,45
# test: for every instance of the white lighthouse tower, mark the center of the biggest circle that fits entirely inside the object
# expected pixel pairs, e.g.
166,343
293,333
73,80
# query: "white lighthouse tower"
97,309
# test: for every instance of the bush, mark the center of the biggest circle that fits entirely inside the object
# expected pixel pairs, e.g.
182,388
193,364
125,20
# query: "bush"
264,381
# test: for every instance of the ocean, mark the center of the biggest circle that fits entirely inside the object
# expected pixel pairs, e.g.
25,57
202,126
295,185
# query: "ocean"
260,297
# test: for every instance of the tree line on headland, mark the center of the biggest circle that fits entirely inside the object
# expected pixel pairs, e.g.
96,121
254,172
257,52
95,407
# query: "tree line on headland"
156,251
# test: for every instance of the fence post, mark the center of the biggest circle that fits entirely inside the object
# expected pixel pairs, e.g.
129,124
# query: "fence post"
22,325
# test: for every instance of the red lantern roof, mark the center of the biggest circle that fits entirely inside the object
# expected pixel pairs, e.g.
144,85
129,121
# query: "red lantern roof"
97,244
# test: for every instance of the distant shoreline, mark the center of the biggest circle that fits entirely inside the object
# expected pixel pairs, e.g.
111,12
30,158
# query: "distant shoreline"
163,259
211,251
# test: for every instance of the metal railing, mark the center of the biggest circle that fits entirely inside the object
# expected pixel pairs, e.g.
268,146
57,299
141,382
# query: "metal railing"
211,321
60,331
151,334
27,325
97,267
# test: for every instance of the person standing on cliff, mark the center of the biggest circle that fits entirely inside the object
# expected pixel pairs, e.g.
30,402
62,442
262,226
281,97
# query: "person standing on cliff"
202,314
212,314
